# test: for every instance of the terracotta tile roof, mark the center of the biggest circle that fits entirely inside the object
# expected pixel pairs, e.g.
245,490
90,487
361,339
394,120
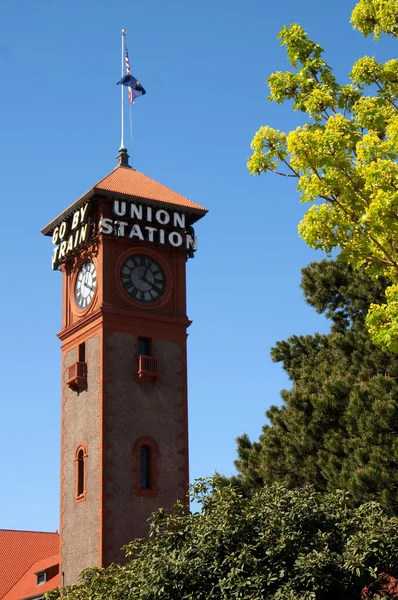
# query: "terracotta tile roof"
127,181
27,586
123,180
19,550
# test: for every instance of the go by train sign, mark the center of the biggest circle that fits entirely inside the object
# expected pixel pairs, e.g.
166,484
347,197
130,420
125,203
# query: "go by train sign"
136,222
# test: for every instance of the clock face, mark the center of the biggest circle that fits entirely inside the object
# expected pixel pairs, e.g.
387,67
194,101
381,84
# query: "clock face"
85,284
143,278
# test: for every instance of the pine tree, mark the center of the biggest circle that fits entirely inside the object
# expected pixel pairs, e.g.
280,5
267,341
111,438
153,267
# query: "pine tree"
338,425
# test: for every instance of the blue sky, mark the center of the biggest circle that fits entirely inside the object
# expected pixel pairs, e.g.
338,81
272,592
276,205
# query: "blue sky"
204,67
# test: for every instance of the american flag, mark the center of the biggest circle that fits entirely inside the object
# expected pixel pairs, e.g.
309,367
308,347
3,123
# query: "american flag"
130,91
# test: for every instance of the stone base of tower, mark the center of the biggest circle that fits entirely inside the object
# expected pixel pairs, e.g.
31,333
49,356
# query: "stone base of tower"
111,420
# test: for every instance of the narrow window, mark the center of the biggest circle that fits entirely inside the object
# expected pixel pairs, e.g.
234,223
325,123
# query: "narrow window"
144,346
82,352
146,452
145,468
80,473
80,461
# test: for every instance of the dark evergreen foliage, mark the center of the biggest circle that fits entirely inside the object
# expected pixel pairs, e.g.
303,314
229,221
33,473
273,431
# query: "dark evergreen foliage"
338,425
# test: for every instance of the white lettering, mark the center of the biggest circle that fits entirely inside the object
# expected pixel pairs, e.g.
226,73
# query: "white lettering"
76,240
62,230
83,233
120,229
161,236
191,242
136,212
75,221
175,239
106,226
83,211
70,243
150,231
55,235
62,250
149,213
136,231
119,208
54,257
162,216
179,220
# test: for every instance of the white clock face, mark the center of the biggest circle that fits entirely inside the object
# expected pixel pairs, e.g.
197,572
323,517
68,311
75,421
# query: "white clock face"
85,284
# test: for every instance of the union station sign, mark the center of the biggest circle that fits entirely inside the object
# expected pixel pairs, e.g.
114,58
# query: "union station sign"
136,222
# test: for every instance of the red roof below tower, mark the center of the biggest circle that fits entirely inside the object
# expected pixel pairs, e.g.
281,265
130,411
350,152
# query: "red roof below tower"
27,586
19,550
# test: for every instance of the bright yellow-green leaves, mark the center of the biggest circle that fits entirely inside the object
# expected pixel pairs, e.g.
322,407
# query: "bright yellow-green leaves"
269,147
382,321
345,155
376,16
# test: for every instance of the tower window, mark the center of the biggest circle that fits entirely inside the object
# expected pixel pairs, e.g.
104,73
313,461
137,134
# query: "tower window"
80,460
144,346
82,352
145,468
146,454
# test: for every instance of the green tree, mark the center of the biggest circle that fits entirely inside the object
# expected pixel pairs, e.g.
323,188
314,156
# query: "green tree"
277,544
338,425
345,154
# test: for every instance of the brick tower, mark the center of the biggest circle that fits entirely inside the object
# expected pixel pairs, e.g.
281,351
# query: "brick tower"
122,249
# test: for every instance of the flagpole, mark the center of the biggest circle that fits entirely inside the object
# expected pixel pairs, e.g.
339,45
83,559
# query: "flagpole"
122,87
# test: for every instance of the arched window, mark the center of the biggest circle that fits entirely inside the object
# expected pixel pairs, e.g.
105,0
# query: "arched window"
146,455
80,472
80,461
145,468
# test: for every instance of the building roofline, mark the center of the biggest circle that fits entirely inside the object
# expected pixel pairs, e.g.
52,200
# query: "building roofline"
195,212
29,531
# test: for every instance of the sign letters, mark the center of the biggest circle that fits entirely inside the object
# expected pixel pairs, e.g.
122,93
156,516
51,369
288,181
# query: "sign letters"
70,234
130,220
150,224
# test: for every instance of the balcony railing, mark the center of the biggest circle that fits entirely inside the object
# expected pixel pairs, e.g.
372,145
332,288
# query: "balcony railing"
77,376
147,367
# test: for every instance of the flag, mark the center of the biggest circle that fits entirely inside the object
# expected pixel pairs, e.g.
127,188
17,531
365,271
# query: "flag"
133,84
131,97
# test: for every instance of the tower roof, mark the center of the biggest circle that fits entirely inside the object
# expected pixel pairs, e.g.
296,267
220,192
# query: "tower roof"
19,550
125,181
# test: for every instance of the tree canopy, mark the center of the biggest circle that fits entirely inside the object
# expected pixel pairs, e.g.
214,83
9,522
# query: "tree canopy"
277,544
338,425
345,155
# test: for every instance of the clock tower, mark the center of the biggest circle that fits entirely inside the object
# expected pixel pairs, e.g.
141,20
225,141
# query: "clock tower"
122,249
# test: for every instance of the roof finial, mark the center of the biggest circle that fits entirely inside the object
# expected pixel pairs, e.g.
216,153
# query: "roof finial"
123,158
